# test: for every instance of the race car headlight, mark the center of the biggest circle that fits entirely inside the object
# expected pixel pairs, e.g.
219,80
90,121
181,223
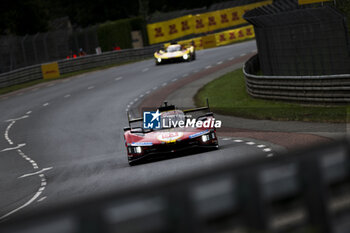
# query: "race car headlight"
205,138
135,149
138,149
159,59
185,56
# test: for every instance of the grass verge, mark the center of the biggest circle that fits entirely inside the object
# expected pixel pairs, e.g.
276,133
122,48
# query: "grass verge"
227,95
9,89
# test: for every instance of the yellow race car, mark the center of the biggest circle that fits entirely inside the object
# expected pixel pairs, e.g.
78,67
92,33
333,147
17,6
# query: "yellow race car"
175,53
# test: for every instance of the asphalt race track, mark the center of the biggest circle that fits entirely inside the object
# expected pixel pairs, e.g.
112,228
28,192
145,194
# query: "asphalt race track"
63,140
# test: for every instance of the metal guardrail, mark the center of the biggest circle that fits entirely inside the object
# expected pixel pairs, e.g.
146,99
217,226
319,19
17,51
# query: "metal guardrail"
317,89
32,73
305,191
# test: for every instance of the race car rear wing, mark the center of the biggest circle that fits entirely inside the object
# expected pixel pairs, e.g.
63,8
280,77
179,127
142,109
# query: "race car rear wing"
198,109
164,108
134,119
131,121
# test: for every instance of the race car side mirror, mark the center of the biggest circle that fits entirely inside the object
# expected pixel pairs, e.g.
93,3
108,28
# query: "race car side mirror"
127,128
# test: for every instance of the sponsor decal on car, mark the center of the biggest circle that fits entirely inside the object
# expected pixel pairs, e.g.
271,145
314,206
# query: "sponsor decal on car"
198,134
142,144
169,136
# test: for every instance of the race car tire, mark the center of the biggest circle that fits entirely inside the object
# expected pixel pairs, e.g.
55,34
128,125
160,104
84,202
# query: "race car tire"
132,163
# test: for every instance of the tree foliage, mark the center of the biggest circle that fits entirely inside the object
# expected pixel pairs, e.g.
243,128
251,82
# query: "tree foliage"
22,17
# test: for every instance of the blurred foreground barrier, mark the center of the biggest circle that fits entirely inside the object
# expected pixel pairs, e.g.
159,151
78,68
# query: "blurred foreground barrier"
305,191
316,89
34,72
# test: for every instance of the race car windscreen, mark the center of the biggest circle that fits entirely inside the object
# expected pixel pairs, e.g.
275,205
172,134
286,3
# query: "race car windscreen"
173,48
174,116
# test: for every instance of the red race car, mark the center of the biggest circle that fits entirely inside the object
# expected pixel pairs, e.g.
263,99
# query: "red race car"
168,130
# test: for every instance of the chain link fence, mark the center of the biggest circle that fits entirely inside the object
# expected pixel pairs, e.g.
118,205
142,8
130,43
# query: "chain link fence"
22,51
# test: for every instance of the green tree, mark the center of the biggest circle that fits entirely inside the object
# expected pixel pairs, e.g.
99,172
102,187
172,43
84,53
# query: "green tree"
24,17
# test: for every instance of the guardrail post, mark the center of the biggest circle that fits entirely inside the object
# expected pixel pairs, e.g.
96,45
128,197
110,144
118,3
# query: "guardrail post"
250,195
180,211
315,193
91,221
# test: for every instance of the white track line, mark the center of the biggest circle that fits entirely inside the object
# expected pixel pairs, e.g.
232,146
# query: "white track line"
208,67
24,156
119,78
261,146
14,148
147,92
145,69
41,199
36,173
46,104
36,195
231,58
243,54
91,87
219,62
34,165
67,96
226,139
7,132
29,112
17,119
